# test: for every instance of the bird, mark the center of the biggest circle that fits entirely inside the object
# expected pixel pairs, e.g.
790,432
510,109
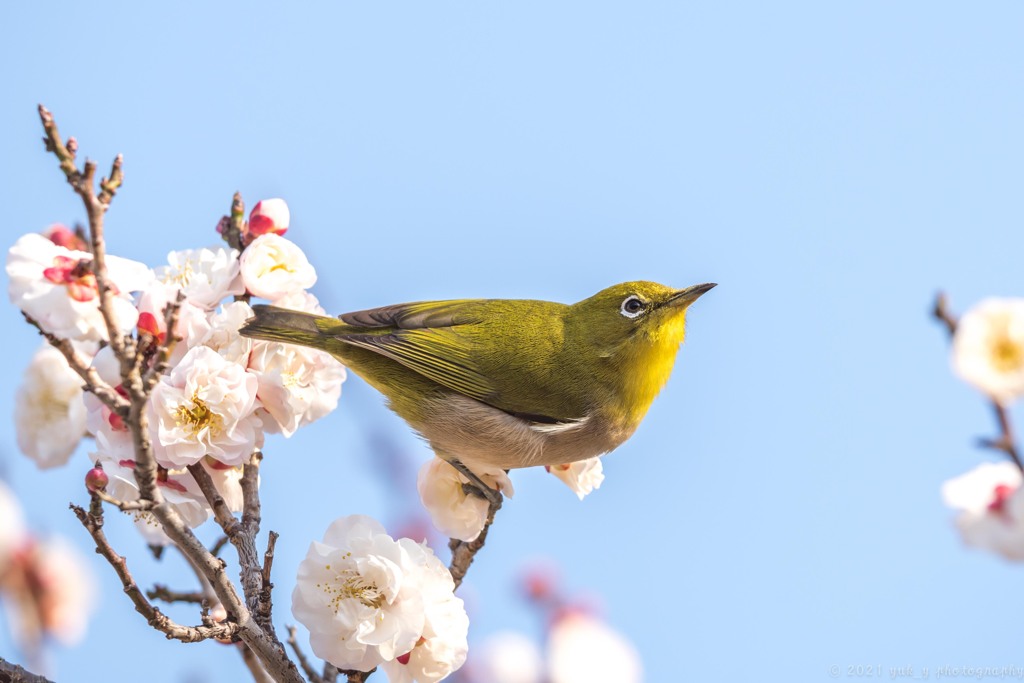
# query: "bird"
507,383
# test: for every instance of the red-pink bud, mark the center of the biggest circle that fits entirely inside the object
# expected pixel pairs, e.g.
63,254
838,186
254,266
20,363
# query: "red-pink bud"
96,479
62,236
269,216
404,659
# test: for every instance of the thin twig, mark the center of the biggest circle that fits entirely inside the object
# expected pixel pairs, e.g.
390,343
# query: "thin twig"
265,604
307,667
1006,442
259,674
154,617
464,552
161,592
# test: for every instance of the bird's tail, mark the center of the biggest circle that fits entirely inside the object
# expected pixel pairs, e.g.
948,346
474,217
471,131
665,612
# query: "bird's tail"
292,327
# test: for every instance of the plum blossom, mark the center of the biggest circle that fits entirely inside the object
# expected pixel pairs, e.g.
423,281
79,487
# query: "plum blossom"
300,300
57,288
584,649
507,657
223,335
991,508
368,599
205,275
205,406
49,414
296,385
51,591
453,511
273,266
269,216
988,348
12,532
582,476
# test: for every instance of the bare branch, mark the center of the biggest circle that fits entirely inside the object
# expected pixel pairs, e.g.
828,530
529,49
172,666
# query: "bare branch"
307,668
464,552
265,604
154,617
162,592
12,673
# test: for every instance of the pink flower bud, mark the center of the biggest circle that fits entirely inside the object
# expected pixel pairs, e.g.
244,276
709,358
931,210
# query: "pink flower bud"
62,236
96,479
268,216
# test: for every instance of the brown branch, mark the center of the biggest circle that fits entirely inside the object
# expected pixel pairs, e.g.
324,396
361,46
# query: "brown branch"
93,383
464,552
154,617
125,505
1006,443
357,676
265,604
12,673
259,674
161,592
221,511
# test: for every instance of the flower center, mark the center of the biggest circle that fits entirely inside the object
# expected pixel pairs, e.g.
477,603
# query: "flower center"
1000,494
197,416
182,276
349,585
1006,354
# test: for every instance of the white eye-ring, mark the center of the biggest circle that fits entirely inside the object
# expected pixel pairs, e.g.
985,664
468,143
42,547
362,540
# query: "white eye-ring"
632,306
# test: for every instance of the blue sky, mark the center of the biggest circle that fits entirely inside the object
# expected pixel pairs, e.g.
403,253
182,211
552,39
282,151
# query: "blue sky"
829,165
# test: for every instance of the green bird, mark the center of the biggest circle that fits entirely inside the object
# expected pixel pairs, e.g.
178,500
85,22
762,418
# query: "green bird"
507,382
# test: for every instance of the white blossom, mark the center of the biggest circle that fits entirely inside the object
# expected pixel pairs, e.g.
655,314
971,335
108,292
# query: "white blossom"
582,476
223,335
56,286
300,300
454,511
297,385
205,406
988,348
584,649
12,531
507,657
205,275
49,413
52,593
991,508
368,599
273,266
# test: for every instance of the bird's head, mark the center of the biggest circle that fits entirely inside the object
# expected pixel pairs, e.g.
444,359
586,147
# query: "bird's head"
637,313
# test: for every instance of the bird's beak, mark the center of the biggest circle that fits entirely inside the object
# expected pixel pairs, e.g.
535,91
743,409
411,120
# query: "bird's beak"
684,297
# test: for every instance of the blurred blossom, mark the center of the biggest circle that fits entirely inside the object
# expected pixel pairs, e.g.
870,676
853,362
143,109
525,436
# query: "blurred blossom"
506,657
205,275
56,286
368,599
988,348
296,385
582,476
455,512
62,236
269,216
991,508
273,267
50,591
49,413
584,649
205,406
12,526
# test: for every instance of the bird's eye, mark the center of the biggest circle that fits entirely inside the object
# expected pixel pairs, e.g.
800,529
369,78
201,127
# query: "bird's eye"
632,306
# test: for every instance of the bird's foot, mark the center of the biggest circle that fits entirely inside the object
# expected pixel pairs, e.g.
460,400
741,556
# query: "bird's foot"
476,485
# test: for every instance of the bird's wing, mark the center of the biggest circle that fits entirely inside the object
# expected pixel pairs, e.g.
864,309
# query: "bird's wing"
478,347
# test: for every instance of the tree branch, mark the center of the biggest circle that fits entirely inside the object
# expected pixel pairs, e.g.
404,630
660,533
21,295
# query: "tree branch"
464,552
12,673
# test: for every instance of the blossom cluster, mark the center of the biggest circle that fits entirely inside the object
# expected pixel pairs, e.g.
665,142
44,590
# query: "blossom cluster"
370,600
988,353
222,392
